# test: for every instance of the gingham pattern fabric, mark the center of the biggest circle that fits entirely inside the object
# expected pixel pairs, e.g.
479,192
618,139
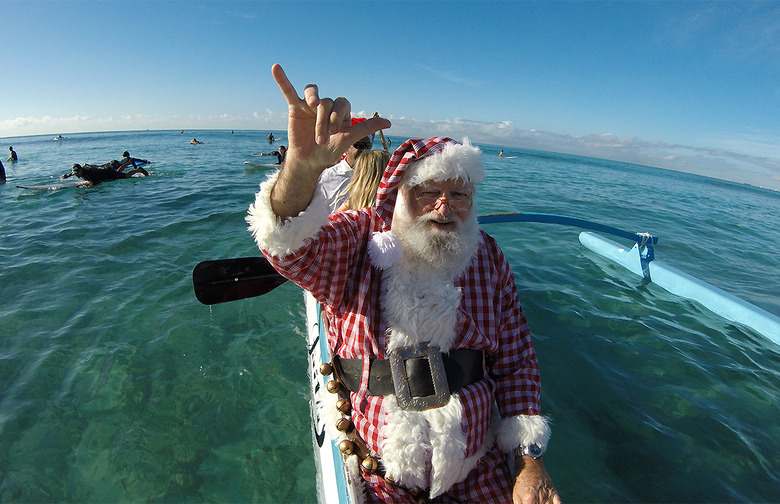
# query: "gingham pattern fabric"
489,482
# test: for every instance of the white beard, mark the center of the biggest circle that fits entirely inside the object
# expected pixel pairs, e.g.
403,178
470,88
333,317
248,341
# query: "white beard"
440,250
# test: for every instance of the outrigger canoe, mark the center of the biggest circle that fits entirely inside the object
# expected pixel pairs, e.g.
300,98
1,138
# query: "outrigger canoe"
333,480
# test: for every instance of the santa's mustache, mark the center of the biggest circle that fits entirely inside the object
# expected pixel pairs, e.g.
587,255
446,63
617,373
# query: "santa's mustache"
436,217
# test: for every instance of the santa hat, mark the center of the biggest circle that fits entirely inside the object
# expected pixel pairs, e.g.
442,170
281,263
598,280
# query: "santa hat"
417,161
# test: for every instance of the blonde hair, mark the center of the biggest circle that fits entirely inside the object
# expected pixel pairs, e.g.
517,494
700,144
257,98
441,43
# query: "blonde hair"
361,190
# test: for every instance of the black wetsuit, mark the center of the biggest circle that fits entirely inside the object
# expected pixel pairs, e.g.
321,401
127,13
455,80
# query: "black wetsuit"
102,173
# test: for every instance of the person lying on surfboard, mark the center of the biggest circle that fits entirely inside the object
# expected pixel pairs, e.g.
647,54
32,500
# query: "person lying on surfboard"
115,165
433,354
93,174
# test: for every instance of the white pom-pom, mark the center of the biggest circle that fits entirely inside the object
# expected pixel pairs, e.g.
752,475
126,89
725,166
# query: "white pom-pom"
384,249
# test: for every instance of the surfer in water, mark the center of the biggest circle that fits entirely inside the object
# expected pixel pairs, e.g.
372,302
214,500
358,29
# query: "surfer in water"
279,154
127,161
93,174
118,166
13,157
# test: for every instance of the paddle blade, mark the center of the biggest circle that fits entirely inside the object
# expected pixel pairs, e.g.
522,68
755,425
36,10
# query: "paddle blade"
226,280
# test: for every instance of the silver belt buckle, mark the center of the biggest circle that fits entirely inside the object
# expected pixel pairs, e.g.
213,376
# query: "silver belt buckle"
403,391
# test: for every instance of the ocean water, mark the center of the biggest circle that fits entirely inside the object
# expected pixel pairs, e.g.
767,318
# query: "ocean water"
116,385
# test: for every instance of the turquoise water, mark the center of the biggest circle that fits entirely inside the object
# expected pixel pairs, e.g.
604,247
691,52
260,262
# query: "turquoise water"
116,385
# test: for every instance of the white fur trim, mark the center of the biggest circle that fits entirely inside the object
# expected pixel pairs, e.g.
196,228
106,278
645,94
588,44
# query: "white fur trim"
420,306
454,161
448,443
405,446
415,437
523,430
448,446
384,249
277,237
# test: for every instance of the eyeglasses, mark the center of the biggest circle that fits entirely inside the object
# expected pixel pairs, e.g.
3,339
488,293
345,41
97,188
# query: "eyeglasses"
430,198
361,145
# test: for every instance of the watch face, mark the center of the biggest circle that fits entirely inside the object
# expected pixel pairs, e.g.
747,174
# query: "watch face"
535,450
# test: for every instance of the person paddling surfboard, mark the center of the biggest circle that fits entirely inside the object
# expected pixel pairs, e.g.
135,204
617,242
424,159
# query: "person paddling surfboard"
93,175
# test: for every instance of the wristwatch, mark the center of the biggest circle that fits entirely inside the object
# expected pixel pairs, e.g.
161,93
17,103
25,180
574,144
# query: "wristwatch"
532,449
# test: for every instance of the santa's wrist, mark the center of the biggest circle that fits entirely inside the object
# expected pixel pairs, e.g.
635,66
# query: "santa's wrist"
532,450
307,165
524,435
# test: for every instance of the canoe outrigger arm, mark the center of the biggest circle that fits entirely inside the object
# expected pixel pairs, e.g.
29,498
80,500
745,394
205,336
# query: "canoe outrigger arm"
640,261
641,239
644,241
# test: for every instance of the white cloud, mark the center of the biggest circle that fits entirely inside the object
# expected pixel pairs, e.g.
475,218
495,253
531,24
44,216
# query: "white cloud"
725,161
720,162
22,126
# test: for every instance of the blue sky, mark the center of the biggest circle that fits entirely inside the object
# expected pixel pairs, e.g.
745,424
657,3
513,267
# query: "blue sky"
691,86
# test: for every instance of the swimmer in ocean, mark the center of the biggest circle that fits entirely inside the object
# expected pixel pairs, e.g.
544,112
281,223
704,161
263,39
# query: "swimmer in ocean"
279,154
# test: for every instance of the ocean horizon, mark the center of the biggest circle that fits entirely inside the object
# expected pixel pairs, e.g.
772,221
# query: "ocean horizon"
116,385
10,140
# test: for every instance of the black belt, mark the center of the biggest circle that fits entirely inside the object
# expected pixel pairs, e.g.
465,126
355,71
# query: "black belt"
462,367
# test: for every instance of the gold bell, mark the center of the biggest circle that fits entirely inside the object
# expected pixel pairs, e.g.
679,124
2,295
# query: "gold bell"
326,369
370,465
333,386
344,406
347,447
344,425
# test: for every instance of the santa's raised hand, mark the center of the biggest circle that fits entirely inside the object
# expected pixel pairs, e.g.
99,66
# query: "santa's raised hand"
319,131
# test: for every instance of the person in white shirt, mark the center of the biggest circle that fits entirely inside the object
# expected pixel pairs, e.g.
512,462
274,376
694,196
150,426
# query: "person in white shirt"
333,181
